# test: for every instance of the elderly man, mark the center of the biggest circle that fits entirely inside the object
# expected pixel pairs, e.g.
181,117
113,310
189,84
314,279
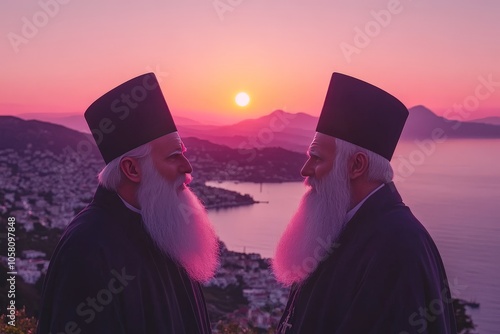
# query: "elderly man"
132,260
357,259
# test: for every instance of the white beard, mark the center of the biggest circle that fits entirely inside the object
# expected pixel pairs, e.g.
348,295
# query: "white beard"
178,223
311,234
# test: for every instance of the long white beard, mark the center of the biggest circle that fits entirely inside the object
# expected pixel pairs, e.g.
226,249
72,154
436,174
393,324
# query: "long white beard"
178,223
311,234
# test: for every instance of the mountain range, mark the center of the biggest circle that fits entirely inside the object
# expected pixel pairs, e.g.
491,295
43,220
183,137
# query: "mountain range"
295,131
488,120
21,135
210,161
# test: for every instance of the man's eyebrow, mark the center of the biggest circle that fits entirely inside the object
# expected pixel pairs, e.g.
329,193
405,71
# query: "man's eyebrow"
177,151
312,152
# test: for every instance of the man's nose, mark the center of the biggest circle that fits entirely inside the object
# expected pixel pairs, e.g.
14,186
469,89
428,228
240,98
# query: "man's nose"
186,167
307,169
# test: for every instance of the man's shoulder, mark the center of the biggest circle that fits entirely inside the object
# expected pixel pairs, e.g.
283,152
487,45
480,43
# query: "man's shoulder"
92,222
399,233
95,230
386,216
400,218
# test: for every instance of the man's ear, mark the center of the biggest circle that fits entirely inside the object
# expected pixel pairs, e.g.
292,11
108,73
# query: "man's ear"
131,169
358,165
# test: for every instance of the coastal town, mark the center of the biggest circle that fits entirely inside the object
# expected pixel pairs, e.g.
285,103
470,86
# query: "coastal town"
43,184
43,190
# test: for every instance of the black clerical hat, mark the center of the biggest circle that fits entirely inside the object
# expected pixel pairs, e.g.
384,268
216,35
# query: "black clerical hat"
362,114
129,116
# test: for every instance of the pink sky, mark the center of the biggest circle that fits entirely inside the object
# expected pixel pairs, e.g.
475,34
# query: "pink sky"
282,52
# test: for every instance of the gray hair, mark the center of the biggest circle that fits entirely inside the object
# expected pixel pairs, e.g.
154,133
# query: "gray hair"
110,176
379,168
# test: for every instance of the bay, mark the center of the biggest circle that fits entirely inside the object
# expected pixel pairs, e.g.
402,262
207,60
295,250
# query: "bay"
452,187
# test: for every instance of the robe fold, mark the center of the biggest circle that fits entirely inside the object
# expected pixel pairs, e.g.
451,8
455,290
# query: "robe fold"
383,275
107,276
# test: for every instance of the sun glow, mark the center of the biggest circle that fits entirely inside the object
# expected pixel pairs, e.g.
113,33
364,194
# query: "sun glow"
242,99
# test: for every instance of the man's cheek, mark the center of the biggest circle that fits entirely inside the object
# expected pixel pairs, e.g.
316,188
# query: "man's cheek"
168,174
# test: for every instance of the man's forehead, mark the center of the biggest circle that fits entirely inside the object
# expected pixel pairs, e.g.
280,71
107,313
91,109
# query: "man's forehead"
322,142
170,142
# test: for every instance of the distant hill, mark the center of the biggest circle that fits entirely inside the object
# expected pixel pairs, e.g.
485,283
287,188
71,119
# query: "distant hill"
72,121
294,132
270,164
487,120
210,161
279,129
422,122
20,135
77,121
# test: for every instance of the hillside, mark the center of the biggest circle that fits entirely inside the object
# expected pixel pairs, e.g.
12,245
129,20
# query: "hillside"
294,131
210,161
18,134
422,122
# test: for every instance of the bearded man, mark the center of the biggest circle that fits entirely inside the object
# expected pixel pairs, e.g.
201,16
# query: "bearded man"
133,259
357,259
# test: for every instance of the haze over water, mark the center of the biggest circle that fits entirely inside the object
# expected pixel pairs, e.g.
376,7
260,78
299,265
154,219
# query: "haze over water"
453,190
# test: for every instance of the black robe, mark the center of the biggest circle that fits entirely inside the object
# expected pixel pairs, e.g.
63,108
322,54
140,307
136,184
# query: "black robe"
383,275
106,276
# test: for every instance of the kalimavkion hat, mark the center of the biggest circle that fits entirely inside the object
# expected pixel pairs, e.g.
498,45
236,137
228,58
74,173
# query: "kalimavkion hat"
129,116
362,114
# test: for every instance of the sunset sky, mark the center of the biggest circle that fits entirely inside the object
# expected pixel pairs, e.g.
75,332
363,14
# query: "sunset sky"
61,55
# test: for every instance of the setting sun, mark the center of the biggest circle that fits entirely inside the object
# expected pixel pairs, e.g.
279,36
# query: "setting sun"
242,99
